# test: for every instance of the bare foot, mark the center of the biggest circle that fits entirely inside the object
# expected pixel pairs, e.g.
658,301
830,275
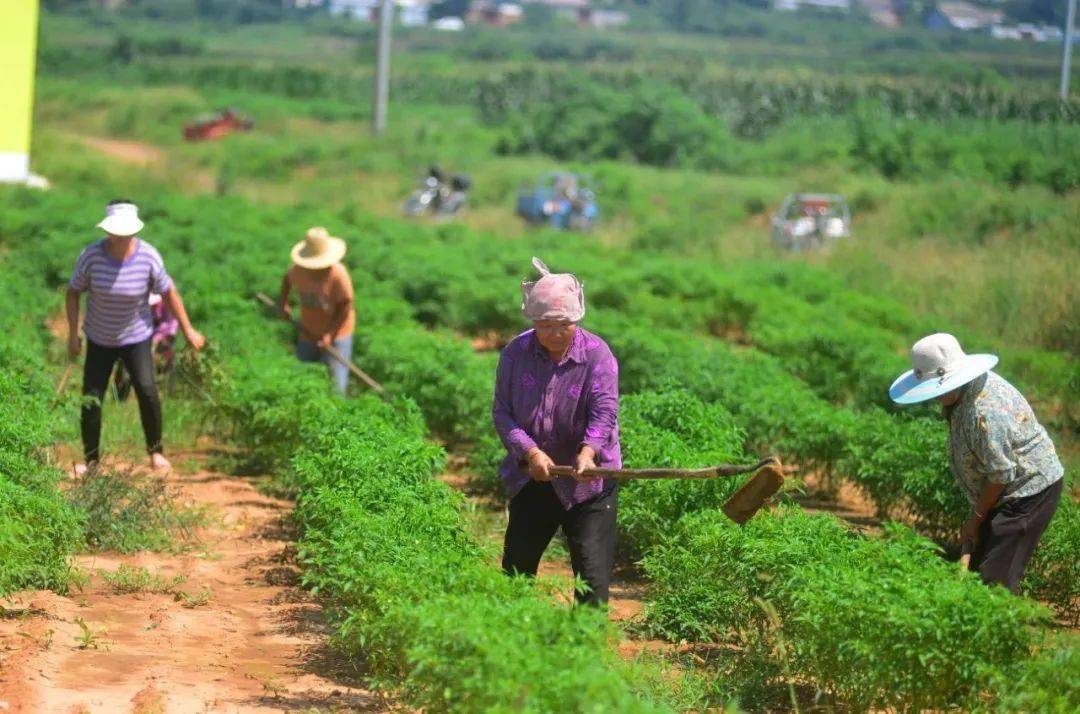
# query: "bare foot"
81,469
159,462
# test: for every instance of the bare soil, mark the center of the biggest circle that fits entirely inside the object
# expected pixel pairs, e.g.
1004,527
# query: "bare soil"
135,153
257,643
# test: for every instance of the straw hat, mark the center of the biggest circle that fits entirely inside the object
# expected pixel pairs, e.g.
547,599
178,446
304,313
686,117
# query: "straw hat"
121,219
938,367
318,250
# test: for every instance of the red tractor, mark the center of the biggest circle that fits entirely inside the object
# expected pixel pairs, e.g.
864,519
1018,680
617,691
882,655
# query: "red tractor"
215,126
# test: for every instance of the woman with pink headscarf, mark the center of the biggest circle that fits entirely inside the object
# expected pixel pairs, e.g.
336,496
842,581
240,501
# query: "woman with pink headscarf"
557,402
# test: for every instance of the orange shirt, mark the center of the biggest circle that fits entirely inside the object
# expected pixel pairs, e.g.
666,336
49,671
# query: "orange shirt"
320,292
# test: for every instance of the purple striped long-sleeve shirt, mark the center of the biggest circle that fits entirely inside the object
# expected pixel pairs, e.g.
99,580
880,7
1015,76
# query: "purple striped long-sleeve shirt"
118,291
558,408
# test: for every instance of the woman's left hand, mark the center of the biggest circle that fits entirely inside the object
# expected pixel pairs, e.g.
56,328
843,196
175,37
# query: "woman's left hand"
970,531
195,339
586,459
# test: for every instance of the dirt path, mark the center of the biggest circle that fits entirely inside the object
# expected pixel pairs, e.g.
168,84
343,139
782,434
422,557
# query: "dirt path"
257,643
136,153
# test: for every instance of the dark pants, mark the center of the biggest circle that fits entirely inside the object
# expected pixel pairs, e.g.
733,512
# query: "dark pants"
536,513
1007,538
139,362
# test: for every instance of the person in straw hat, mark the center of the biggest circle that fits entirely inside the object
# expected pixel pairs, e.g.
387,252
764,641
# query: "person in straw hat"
119,274
327,316
1002,458
556,402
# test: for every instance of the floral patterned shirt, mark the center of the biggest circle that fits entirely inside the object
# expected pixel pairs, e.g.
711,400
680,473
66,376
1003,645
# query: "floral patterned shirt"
994,437
559,408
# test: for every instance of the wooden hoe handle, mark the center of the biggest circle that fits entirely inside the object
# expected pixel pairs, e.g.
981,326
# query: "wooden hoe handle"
709,472
330,349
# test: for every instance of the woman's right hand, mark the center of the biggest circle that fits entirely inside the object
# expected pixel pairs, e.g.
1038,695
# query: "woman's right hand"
74,346
540,465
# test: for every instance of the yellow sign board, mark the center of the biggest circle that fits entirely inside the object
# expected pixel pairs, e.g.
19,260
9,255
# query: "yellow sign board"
18,45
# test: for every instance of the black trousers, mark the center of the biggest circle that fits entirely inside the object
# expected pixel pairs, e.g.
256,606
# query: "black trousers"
139,362
1007,538
536,514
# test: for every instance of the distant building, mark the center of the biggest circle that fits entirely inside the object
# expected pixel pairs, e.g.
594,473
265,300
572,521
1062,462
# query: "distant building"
560,4
1027,32
963,16
495,14
601,19
1004,32
408,12
882,12
413,13
352,9
840,6
449,24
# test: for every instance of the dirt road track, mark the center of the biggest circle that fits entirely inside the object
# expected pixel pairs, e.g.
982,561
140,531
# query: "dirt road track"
258,643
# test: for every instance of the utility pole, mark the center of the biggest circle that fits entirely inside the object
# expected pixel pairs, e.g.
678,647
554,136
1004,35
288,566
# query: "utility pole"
1066,55
382,68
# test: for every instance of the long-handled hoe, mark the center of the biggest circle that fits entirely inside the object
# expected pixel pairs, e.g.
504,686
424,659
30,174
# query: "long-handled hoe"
330,349
767,479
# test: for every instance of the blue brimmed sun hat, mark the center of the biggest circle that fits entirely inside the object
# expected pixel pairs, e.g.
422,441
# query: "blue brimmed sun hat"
938,367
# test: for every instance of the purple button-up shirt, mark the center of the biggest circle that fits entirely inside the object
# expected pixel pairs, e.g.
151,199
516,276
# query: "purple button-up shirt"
559,408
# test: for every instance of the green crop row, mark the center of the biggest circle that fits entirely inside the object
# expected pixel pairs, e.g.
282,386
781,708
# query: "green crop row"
37,526
838,340
874,622
383,541
675,428
900,462
451,279
847,346
752,104
899,133
273,407
771,591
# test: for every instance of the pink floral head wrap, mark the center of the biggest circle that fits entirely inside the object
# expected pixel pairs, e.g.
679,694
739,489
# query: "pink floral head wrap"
555,296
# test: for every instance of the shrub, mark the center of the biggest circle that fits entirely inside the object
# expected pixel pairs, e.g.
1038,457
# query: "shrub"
873,622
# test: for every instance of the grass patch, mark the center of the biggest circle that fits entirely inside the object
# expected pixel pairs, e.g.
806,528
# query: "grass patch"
193,600
125,512
126,579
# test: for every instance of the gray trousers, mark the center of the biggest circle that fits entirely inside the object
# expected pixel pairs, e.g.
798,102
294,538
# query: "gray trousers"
1007,538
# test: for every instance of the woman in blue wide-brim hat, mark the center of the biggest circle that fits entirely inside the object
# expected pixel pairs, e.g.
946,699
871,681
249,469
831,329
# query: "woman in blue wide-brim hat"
1001,456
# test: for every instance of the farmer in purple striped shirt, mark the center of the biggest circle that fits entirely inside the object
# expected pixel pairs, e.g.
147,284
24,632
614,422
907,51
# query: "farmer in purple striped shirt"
119,273
556,402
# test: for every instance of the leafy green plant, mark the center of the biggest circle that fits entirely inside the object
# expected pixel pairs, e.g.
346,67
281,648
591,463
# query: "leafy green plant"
898,650
127,579
126,512
89,638
193,600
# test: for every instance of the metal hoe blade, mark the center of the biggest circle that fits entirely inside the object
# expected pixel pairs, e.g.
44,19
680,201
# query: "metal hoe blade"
741,507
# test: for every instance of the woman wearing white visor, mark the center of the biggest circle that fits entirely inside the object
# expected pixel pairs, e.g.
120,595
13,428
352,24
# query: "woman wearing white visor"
1001,456
118,273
